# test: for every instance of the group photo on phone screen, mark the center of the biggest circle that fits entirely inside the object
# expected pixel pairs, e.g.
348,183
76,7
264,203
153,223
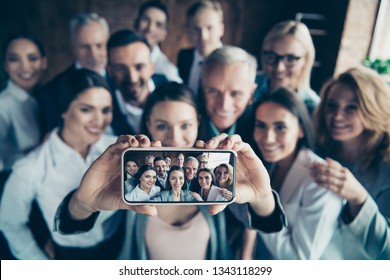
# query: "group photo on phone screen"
178,176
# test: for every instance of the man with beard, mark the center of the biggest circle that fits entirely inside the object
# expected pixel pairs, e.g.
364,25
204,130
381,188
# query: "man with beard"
161,168
131,70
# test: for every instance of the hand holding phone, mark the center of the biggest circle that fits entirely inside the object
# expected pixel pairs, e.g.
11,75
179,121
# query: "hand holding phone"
253,184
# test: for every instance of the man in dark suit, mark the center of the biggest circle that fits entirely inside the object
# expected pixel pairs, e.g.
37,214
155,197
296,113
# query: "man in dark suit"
190,167
131,70
228,85
88,36
161,167
205,28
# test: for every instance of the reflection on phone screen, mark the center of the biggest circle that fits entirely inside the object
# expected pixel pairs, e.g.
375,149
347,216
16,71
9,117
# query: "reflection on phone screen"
172,176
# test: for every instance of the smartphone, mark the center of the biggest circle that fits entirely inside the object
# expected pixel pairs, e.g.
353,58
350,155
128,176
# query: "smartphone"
178,176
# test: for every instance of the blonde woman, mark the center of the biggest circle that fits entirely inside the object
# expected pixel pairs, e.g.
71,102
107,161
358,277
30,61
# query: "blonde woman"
352,125
287,59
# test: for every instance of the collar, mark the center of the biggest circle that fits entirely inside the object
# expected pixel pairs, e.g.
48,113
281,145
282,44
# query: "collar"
230,131
61,151
199,58
126,108
101,73
18,92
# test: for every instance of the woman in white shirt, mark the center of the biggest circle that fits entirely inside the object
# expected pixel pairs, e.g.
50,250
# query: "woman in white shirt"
24,63
208,191
146,188
284,136
55,168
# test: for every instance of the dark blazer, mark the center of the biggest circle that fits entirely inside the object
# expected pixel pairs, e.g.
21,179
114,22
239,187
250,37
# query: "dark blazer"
192,186
244,126
48,100
119,122
158,184
184,63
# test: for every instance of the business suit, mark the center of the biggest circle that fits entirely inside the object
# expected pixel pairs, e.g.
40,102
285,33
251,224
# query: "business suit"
312,214
184,63
48,99
159,184
119,123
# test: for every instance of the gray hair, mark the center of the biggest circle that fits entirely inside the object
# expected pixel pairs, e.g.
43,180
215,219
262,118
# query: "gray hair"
82,20
229,55
190,158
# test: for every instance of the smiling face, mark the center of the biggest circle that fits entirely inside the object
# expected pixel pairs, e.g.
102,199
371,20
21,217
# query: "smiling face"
222,175
206,30
343,114
87,118
24,63
277,132
174,123
176,179
205,179
153,25
191,167
228,89
131,69
168,161
161,168
280,74
89,46
131,167
148,180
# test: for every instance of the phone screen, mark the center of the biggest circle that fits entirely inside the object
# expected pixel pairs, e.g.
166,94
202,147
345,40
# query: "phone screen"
192,176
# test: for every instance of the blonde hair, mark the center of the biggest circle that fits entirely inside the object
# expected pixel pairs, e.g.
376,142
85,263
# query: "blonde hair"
301,33
373,95
229,168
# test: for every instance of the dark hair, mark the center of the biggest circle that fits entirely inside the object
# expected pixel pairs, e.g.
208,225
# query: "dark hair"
291,101
168,185
208,170
77,82
142,170
147,5
171,91
125,37
157,159
29,37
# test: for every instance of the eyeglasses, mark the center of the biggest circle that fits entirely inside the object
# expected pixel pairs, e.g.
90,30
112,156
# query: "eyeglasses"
203,162
272,58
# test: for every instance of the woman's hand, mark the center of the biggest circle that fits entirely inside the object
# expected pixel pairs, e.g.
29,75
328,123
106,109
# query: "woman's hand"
226,194
252,179
101,188
333,176
197,196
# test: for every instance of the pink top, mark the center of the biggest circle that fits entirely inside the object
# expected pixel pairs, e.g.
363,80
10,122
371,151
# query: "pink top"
186,242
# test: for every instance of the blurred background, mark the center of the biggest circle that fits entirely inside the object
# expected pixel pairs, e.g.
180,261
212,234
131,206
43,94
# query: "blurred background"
345,32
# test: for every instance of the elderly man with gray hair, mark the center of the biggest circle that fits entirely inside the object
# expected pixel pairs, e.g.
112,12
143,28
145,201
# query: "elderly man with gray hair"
89,34
228,85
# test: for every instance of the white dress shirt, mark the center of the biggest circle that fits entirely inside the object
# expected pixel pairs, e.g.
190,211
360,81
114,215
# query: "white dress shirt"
19,124
47,175
196,72
133,113
312,214
164,66
194,80
140,195
214,194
